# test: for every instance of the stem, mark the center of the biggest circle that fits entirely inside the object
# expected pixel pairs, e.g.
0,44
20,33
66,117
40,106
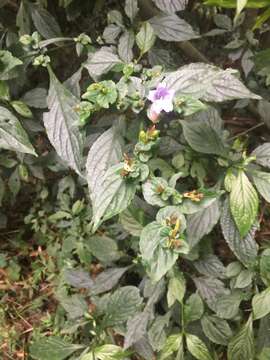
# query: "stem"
247,131
182,317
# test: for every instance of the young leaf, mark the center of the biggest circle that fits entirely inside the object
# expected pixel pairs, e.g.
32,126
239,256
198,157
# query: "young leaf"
209,83
171,6
197,348
176,289
12,134
145,38
53,348
172,28
112,196
241,345
244,249
261,304
62,124
244,203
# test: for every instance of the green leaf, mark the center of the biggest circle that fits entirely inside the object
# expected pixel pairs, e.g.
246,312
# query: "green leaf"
113,195
12,135
131,9
7,64
103,248
264,355
241,345
261,304
227,306
101,62
176,288
193,309
106,280
123,304
145,38
210,289
203,132
243,279
125,46
201,223
105,152
21,108
23,21
136,328
35,98
210,265
262,182
209,83
171,6
244,203
265,266
53,348
172,28
240,4
156,333
244,249
132,220
216,329
197,348
44,22
106,352
173,343
62,124
262,154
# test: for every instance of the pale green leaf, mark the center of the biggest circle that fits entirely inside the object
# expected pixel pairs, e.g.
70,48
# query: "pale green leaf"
241,346
261,304
145,38
197,348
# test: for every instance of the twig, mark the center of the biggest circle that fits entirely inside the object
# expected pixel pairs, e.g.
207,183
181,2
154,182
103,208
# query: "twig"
247,131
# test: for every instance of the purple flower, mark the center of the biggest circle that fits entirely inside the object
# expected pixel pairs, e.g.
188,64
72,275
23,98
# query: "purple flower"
162,99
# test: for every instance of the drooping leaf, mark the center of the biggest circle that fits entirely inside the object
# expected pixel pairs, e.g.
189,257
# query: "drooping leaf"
172,28
208,83
145,38
62,124
101,62
216,329
202,223
125,46
105,152
171,6
244,203
12,134
241,345
197,348
261,304
136,328
113,195
244,249
122,304
53,348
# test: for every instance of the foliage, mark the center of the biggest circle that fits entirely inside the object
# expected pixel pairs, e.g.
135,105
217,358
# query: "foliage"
135,180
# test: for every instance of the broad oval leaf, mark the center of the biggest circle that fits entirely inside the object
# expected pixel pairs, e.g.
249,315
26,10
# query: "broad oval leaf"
131,8
62,124
244,203
261,180
125,46
44,22
12,134
145,38
216,329
172,28
171,6
208,83
261,304
262,154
